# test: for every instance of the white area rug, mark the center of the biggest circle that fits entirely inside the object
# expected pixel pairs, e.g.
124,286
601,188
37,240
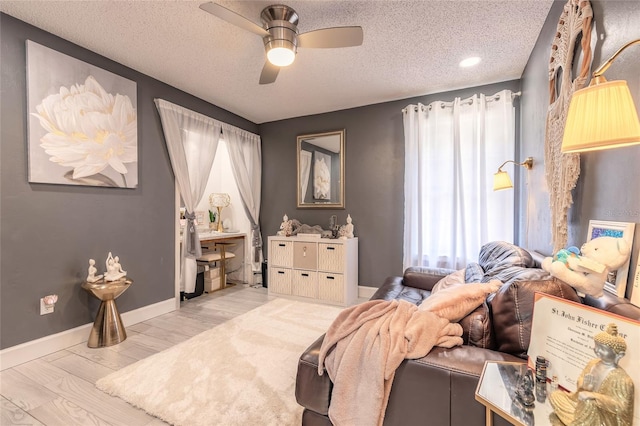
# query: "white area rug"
241,372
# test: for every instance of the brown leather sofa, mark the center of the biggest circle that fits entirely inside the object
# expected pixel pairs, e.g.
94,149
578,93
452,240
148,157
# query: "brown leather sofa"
439,389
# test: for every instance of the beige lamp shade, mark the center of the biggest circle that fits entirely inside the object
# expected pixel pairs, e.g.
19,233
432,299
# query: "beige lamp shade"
601,116
219,199
501,180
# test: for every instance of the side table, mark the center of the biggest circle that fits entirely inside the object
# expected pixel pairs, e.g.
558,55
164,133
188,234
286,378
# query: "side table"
107,328
497,392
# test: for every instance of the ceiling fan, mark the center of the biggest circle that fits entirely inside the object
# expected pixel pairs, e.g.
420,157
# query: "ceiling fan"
281,38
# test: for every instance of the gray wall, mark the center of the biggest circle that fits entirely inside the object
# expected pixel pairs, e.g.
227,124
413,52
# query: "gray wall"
374,169
609,184
48,232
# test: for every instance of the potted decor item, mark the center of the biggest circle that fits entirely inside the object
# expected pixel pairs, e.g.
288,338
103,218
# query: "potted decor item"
212,220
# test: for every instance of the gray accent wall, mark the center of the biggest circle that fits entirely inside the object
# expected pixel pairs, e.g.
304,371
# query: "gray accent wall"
49,232
609,184
374,168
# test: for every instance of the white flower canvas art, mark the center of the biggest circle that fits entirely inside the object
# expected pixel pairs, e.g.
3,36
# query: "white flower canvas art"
83,126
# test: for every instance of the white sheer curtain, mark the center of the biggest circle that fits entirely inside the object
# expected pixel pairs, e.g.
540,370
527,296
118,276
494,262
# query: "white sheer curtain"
192,141
452,150
246,163
305,172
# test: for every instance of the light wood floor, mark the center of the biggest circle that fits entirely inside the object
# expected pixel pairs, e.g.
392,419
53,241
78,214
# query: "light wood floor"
58,389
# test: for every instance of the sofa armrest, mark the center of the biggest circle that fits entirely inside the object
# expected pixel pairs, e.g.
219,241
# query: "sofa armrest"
394,288
424,278
414,286
616,305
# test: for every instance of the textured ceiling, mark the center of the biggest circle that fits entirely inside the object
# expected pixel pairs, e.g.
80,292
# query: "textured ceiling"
411,48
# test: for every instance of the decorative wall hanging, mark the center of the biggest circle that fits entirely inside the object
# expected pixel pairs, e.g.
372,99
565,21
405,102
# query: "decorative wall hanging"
562,170
83,127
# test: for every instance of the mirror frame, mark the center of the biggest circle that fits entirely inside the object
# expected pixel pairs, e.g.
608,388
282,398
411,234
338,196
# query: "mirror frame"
339,203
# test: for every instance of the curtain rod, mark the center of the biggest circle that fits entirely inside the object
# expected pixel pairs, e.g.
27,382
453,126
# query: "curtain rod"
468,101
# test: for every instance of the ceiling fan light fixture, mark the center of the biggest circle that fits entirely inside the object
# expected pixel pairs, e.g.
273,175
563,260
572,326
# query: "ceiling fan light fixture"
281,56
282,42
281,38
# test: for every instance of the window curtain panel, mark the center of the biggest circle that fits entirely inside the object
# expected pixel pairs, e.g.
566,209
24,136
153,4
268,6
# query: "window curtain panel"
452,150
192,141
246,162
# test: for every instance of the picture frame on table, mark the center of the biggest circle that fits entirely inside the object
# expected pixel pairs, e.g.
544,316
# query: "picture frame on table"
635,284
201,218
617,280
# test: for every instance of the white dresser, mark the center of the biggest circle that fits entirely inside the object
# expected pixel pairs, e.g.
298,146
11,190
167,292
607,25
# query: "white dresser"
314,269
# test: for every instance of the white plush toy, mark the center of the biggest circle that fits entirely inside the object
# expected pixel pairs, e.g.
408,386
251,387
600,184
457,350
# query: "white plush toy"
587,270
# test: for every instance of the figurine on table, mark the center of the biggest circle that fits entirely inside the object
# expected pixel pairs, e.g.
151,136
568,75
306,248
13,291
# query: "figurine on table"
114,269
91,273
605,392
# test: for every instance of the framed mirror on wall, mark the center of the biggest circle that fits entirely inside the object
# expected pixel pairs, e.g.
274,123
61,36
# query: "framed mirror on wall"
321,170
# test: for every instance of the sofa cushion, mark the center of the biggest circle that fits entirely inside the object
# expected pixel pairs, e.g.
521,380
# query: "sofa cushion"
511,310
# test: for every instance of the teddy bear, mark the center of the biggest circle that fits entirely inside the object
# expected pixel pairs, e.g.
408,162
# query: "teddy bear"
586,269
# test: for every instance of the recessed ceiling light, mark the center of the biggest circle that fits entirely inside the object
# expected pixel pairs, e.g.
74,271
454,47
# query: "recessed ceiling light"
469,62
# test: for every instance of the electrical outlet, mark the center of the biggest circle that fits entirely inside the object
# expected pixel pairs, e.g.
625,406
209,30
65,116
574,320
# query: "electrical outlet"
44,308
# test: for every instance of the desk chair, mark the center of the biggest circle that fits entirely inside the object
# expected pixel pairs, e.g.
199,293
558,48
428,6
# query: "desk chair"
212,257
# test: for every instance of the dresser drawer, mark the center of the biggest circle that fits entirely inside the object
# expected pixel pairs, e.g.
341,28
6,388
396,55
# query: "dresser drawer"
330,257
305,283
279,280
331,287
280,253
305,255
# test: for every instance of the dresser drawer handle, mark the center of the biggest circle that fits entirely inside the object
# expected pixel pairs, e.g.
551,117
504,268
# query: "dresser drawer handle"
331,248
305,275
282,245
330,278
281,272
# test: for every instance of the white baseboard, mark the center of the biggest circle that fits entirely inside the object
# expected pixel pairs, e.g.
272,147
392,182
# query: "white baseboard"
28,351
366,292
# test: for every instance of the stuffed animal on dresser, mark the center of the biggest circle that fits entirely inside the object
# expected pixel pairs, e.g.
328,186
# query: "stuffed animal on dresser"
586,269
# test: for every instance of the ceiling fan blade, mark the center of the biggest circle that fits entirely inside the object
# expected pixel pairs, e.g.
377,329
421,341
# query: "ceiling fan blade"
269,73
332,37
233,18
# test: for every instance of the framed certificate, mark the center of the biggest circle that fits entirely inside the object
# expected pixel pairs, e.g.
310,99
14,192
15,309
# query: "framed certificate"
562,331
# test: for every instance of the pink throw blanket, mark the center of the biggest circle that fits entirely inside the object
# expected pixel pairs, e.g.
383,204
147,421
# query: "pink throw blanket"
365,345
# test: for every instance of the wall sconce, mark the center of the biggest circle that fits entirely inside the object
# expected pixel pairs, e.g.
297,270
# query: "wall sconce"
219,200
501,179
602,115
